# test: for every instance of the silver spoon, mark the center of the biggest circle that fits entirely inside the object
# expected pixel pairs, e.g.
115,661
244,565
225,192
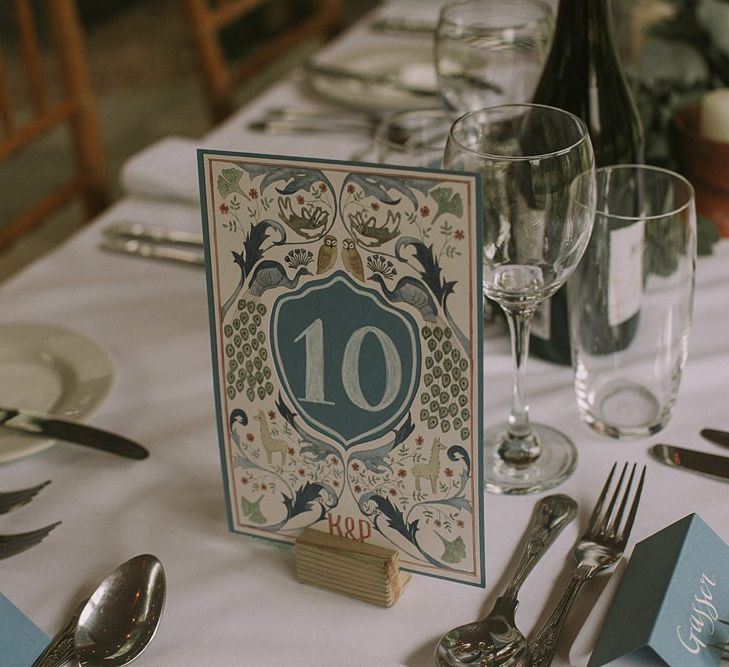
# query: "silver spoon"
117,622
496,640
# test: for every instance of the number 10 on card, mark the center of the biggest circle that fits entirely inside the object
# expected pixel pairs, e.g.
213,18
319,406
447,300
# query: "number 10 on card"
346,358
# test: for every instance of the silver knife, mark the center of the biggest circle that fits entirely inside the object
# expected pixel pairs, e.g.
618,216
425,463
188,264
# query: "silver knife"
690,459
148,250
152,233
402,25
370,78
716,436
33,423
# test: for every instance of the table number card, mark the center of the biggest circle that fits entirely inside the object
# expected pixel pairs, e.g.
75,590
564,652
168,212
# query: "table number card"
345,307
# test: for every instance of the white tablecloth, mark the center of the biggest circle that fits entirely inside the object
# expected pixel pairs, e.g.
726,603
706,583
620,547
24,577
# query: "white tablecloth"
233,600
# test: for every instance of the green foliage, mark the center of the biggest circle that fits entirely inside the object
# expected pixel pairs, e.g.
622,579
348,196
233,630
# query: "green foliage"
684,56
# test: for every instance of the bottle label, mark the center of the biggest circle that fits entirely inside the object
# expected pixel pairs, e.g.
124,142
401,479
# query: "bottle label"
625,286
541,320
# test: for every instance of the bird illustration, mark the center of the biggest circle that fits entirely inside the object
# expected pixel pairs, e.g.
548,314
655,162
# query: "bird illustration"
414,293
238,419
352,260
269,274
327,257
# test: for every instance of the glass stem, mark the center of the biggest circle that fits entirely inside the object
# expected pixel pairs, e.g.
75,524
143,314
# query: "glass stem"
519,447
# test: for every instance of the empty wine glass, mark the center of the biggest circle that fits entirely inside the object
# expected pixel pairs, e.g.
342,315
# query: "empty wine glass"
537,221
490,52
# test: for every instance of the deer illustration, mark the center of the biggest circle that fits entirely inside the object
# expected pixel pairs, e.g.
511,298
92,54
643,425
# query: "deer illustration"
430,469
270,444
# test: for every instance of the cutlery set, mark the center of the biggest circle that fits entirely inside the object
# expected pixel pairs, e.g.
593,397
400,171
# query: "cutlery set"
50,426
154,242
10,545
496,640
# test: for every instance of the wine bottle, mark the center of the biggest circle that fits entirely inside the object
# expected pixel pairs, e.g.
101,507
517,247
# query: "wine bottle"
583,75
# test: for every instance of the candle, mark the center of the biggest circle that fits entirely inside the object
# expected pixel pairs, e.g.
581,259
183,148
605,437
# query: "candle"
715,115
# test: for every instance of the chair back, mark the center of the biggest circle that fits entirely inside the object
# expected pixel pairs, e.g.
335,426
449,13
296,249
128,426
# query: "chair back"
56,92
208,18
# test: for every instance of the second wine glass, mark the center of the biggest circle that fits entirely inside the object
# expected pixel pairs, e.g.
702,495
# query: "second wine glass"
534,234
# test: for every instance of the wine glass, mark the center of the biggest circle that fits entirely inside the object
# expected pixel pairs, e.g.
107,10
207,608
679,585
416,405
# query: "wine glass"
537,221
490,52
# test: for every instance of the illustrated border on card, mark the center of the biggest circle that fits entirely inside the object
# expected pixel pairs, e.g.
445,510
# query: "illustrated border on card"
203,158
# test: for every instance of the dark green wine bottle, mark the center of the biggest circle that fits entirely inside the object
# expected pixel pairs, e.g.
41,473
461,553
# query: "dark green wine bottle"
583,75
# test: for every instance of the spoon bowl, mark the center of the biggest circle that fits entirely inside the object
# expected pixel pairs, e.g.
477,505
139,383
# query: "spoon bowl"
495,641
121,617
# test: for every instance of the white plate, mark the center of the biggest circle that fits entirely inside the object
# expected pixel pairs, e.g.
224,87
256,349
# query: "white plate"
50,369
411,64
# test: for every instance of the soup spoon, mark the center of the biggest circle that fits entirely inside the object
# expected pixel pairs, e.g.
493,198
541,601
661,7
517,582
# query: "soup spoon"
117,622
496,640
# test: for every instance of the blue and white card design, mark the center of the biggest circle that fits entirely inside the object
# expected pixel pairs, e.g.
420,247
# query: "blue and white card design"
671,602
345,307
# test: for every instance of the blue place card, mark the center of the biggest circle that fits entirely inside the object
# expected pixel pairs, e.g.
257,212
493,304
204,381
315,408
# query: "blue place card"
21,642
346,325
668,606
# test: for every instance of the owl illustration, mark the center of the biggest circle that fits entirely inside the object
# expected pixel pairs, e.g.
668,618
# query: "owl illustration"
327,256
351,259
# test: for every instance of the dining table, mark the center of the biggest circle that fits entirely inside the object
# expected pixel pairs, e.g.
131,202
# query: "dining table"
235,600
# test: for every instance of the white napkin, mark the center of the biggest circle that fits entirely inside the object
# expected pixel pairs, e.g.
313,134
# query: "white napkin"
165,170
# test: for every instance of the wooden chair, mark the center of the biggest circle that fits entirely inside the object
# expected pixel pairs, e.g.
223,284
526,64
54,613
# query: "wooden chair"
208,17
25,122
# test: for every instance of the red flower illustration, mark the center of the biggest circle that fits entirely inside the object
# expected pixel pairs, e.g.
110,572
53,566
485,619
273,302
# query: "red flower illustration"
334,460
253,193
375,206
271,414
301,472
322,187
460,523
264,487
335,483
300,200
355,466
224,208
459,235
292,451
350,188
402,473
393,492
250,437
437,523
448,472
357,488
419,440
424,211
244,480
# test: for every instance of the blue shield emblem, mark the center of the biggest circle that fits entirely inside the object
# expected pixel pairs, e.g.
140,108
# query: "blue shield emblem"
347,360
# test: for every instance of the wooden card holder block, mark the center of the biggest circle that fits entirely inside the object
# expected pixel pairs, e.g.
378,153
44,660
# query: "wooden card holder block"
363,571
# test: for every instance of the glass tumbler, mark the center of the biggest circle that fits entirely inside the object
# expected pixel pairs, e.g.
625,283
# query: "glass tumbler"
630,301
491,52
413,137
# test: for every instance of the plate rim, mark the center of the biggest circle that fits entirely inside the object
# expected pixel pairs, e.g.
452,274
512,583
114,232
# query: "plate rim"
37,445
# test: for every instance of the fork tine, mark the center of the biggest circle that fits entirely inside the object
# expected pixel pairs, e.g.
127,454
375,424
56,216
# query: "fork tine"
10,545
595,516
625,533
615,523
603,530
11,500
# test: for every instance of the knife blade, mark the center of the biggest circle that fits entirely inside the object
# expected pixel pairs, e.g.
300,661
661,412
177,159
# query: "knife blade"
33,423
153,251
152,233
690,459
368,78
716,436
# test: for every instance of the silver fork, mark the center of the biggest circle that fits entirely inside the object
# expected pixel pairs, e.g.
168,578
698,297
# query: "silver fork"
10,545
601,546
10,500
